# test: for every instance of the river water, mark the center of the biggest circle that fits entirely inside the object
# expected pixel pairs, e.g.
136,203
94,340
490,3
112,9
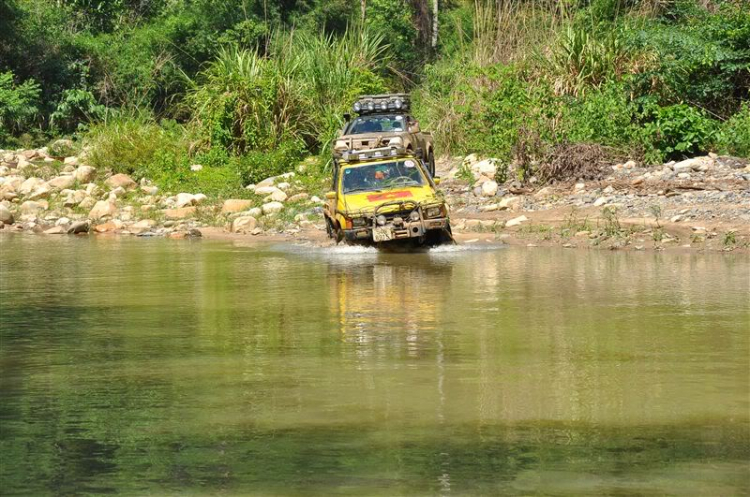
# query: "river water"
158,367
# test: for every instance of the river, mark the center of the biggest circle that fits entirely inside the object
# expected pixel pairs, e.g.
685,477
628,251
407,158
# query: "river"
151,366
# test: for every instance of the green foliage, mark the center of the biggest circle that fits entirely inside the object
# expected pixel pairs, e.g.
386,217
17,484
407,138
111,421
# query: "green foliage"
734,135
679,131
76,108
18,105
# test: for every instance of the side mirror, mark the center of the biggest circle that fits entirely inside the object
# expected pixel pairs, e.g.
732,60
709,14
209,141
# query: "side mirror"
414,128
436,179
331,195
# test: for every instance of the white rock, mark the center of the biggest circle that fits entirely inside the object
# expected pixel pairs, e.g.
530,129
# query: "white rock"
273,207
487,168
509,203
196,167
84,174
316,200
256,212
609,190
278,196
580,186
283,185
235,205
630,164
601,201
29,185
70,161
103,208
489,188
244,224
62,182
516,221
32,207
6,217
693,164
150,190
117,192
184,200
121,180
63,221
265,190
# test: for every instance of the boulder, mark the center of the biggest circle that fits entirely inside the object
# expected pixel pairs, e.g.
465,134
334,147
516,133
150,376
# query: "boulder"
33,207
299,197
179,213
196,167
235,205
23,164
265,190
278,196
489,188
487,168
62,182
272,208
516,221
78,227
184,200
55,230
283,185
105,227
103,208
41,191
29,185
244,224
142,226
694,164
121,181
256,212
509,203
70,161
6,217
84,174
87,203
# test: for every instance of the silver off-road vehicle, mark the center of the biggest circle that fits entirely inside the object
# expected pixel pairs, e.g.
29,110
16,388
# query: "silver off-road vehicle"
384,121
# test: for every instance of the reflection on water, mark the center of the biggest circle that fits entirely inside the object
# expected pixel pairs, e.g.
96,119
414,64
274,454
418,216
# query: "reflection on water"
139,366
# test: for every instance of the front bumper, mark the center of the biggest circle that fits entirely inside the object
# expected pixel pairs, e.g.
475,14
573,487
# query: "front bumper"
406,230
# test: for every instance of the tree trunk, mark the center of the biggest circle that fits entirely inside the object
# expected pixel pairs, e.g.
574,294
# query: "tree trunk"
434,23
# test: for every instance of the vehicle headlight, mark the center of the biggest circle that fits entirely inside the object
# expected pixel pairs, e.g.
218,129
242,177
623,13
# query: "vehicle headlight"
370,106
359,222
384,106
357,107
381,220
433,212
398,103
414,216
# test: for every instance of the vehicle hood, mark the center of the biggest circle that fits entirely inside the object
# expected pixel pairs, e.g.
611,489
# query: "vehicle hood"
369,201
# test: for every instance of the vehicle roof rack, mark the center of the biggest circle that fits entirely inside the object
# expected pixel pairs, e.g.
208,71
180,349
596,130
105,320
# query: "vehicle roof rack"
375,154
390,102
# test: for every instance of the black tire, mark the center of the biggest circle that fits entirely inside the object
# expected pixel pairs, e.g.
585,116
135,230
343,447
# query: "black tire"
431,163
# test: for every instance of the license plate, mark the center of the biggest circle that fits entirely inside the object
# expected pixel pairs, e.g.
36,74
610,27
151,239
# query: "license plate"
382,234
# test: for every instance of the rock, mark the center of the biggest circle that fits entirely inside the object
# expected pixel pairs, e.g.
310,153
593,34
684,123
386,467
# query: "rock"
142,226
196,167
179,213
84,174
235,205
62,182
150,190
78,227
32,207
102,208
675,219
63,221
117,192
87,203
489,208
580,186
29,185
29,154
244,224
283,185
693,164
266,190
489,188
272,208
184,200
278,196
486,168
316,200
256,231
601,201
6,217
42,191
55,230
609,190
544,192
121,181
630,164
74,198
510,203
637,181
256,212
105,227
70,161
683,175
516,221
470,160
298,197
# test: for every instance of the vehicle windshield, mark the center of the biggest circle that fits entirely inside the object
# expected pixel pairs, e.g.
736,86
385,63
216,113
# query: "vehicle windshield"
377,124
382,176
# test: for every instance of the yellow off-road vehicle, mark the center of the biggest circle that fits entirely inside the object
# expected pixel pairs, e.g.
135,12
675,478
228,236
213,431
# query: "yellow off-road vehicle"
385,195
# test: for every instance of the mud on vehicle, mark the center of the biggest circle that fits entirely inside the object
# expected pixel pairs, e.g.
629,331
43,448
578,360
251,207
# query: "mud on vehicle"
385,195
383,121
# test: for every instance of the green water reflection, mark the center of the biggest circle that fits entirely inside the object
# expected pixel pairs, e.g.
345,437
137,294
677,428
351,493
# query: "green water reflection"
153,367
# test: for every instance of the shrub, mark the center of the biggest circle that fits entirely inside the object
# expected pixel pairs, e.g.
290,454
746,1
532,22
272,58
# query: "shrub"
679,131
18,105
734,135
75,110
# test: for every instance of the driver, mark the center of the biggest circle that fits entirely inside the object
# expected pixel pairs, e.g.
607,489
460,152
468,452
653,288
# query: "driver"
381,174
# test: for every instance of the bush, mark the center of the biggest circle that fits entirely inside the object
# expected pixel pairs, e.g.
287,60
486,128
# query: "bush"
734,135
679,131
18,105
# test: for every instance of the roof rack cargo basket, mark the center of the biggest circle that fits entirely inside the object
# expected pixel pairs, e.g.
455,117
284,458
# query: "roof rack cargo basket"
390,102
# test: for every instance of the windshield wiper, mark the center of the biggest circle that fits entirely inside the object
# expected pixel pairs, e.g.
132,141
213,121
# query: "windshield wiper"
362,189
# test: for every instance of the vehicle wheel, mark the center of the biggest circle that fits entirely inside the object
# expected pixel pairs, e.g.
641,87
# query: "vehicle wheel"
431,163
330,231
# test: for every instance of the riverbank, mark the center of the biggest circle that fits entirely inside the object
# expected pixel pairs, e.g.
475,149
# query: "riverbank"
701,204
